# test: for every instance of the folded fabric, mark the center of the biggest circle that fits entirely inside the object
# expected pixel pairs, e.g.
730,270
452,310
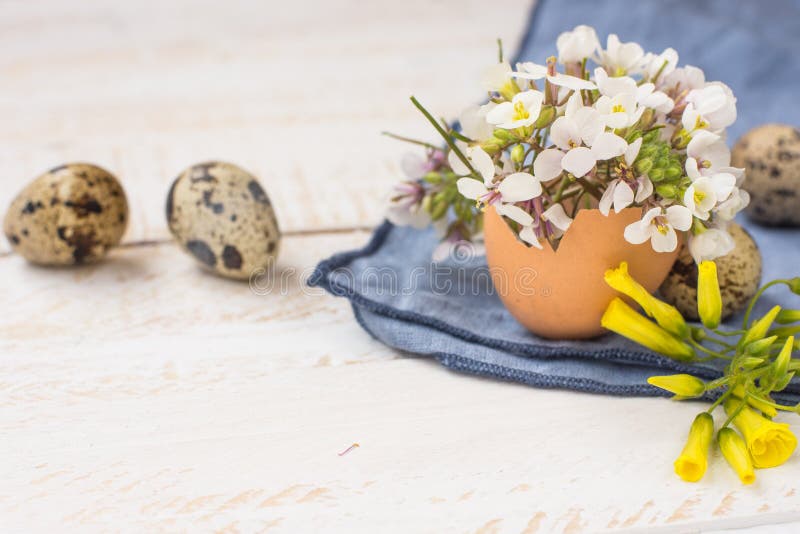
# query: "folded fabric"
448,311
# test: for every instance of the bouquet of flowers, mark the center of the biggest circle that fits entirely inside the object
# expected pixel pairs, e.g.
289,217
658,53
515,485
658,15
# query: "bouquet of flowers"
634,131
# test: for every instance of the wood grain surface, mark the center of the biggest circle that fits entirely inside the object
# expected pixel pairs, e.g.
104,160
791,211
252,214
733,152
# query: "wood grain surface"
145,395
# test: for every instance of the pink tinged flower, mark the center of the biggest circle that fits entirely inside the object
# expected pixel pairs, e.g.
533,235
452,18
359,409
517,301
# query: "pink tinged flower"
533,71
573,46
619,193
658,226
621,58
705,192
710,245
405,207
713,107
523,110
706,154
513,188
686,78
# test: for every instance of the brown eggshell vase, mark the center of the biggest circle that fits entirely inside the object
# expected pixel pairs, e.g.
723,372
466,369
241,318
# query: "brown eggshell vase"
561,294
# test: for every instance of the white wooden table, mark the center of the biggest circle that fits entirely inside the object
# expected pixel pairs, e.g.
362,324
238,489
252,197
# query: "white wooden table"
142,394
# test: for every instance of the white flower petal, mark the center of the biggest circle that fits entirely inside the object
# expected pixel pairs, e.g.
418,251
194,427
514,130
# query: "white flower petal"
547,164
578,161
501,113
556,215
632,151
608,198
483,164
666,241
528,234
456,164
519,186
723,184
530,71
471,188
608,145
623,196
680,217
515,213
571,82
644,190
637,232
563,132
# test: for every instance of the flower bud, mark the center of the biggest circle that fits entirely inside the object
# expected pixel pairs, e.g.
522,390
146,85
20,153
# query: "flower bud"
666,315
760,346
438,209
781,365
656,175
750,362
788,316
735,452
683,386
504,135
546,116
757,404
643,165
781,384
759,328
433,178
673,172
518,154
667,191
625,321
709,299
794,285
648,118
692,463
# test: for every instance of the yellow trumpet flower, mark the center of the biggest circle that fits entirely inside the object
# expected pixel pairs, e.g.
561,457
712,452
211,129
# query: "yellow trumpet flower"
770,444
667,316
627,322
735,452
683,386
692,463
709,299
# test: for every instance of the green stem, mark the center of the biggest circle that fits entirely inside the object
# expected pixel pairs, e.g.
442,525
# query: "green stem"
410,140
447,138
710,352
755,298
719,400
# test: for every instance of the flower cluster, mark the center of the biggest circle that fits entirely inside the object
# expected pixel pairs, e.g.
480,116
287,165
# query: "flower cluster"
636,130
758,362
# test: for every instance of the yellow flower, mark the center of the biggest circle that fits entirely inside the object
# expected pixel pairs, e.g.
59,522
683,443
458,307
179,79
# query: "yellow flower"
735,452
667,316
760,327
682,386
770,444
709,299
625,321
692,463
759,405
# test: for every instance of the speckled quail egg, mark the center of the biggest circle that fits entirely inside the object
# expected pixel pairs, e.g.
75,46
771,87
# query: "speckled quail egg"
71,214
739,275
220,214
771,156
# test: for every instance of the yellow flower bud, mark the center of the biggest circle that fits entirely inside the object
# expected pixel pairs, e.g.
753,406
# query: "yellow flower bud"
770,443
781,364
735,452
682,386
667,316
761,406
625,321
788,316
760,327
760,346
691,465
709,299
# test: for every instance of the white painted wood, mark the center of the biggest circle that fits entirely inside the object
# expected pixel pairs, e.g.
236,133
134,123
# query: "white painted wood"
297,92
147,395
142,394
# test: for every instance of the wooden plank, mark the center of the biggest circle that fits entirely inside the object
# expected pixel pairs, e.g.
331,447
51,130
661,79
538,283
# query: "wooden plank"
296,92
147,395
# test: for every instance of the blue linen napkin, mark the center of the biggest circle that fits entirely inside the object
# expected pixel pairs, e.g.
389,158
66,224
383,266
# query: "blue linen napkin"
449,311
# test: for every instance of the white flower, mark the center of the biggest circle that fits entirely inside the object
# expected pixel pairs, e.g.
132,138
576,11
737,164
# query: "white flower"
575,45
523,110
713,107
497,77
556,216
621,58
710,245
686,78
405,206
662,64
706,191
619,192
619,111
477,157
613,85
658,226
706,154
513,188
528,234
533,71
647,96
737,201
473,122
547,164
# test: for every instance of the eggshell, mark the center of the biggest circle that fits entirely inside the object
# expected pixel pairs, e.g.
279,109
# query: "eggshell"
562,294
